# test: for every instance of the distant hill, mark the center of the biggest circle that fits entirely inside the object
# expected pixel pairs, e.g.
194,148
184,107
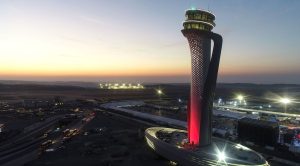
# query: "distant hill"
262,86
56,83
36,87
95,84
18,90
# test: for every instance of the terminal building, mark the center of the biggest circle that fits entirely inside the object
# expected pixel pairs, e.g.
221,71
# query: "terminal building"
120,86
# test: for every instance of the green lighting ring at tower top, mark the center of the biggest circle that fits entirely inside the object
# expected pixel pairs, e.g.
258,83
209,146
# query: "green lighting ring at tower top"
199,20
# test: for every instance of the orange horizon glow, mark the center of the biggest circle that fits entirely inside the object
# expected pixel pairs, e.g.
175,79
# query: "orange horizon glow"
129,70
80,39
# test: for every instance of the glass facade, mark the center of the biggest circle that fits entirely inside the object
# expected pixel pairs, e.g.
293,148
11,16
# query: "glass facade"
198,19
195,25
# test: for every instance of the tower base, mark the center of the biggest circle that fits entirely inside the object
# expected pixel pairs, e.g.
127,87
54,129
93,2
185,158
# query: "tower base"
171,144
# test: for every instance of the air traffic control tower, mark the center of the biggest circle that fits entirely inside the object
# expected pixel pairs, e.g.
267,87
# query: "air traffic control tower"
197,30
196,146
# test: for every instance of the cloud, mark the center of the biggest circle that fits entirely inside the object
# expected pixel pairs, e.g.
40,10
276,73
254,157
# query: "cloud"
92,20
77,40
72,39
69,56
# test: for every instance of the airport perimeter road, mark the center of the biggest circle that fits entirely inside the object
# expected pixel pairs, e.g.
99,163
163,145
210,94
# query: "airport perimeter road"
119,142
28,148
26,142
31,132
259,111
76,127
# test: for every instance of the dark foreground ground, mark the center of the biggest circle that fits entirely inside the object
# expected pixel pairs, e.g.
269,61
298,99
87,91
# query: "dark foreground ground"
121,143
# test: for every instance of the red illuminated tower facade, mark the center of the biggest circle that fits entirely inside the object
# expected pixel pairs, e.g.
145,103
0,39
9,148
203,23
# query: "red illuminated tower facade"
206,150
197,30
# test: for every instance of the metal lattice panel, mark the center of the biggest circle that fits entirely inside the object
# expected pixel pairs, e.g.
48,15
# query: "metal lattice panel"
199,115
200,56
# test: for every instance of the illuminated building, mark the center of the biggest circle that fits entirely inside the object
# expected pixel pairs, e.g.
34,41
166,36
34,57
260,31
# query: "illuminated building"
196,146
120,86
170,143
197,30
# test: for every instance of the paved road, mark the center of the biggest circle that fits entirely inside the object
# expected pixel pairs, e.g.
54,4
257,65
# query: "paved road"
121,144
29,134
21,151
260,111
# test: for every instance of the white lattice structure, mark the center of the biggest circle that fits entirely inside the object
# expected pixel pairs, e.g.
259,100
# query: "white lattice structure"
200,57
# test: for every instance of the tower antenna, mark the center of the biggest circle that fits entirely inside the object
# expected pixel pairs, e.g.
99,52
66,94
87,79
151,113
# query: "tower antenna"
208,5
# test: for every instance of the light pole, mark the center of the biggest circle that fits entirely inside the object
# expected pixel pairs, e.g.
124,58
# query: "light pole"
159,93
285,101
240,98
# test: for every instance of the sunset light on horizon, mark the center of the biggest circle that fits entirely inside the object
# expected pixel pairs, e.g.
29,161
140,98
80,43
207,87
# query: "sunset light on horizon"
99,40
149,82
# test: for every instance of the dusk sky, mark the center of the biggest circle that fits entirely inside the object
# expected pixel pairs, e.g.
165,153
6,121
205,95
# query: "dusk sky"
141,41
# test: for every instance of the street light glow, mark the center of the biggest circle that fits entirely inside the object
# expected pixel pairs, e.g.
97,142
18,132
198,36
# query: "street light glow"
221,156
285,100
159,91
240,97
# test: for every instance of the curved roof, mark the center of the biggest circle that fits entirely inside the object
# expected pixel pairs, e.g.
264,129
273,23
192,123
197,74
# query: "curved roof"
188,11
198,21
